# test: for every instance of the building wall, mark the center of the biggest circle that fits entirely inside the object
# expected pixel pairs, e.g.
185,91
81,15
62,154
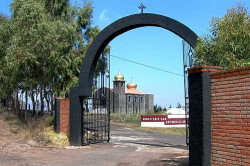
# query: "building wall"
230,117
119,87
129,103
116,102
135,105
111,101
119,101
149,103
136,108
142,103
122,104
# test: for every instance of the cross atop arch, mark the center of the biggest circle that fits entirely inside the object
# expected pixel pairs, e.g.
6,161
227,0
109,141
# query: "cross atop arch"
142,7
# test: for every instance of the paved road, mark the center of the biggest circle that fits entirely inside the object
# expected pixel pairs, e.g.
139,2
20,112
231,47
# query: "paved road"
125,135
128,147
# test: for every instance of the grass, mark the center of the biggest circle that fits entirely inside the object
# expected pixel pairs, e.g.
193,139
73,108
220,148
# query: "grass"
133,121
127,118
38,130
130,118
172,130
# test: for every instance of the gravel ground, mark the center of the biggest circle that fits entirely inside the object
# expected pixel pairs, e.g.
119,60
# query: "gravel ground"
128,147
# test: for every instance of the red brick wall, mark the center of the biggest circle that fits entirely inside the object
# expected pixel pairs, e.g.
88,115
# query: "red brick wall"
230,98
64,115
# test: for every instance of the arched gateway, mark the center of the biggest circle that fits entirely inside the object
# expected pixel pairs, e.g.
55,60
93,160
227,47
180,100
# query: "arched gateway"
84,89
89,63
199,88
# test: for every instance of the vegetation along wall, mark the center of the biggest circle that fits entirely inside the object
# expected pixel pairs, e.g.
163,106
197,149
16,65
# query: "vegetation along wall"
230,117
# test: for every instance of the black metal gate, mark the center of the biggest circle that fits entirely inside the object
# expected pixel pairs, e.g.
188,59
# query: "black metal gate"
96,109
188,61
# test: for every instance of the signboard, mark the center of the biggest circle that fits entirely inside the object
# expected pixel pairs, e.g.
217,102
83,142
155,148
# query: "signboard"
163,120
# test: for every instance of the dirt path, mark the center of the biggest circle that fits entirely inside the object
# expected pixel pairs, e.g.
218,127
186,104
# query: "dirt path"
128,147
14,147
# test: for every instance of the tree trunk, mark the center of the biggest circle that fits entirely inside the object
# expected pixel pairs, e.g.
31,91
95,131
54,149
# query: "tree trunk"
46,96
16,104
26,103
52,104
21,102
33,102
42,101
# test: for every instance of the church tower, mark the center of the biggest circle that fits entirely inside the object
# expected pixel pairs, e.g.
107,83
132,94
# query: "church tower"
119,91
119,84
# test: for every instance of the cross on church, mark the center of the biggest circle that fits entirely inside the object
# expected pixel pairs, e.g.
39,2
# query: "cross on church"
142,7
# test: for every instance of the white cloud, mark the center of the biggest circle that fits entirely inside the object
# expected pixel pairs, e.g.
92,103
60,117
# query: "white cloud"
103,15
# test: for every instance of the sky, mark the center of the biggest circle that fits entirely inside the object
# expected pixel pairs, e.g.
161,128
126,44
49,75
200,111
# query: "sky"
153,46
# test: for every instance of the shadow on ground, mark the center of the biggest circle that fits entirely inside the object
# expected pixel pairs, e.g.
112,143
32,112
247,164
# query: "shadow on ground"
182,161
157,144
163,162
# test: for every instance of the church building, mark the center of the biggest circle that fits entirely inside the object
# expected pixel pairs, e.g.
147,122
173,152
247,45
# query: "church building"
129,100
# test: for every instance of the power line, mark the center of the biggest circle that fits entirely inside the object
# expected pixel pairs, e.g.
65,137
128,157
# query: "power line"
152,67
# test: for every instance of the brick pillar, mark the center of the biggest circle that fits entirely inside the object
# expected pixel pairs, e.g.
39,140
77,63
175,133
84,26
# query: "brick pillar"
62,115
199,82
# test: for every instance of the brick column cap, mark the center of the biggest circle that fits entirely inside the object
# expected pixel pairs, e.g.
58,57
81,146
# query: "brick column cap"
62,98
201,69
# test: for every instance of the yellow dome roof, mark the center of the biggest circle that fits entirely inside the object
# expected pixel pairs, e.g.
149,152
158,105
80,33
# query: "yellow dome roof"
132,85
119,77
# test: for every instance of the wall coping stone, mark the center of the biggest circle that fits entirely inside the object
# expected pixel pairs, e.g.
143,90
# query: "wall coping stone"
230,73
201,69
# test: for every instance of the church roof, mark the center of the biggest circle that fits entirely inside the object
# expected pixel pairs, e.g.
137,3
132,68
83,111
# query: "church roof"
133,91
130,91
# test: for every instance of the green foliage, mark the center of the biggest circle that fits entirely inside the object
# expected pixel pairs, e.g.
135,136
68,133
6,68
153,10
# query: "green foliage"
57,8
228,43
8,68
157,108
42,46
128,118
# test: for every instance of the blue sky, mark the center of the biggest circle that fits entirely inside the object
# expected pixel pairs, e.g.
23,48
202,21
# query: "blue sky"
154,46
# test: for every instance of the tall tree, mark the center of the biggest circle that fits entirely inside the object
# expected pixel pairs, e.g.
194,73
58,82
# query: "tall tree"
227,45
49,39
7,62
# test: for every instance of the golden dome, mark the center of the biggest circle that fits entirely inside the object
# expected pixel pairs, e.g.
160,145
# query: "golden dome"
119,77
131,85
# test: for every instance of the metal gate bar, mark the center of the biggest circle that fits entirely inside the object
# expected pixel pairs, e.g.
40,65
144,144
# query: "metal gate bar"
96,109
188,61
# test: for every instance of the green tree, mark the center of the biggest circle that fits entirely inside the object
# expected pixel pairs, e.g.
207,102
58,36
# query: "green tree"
7,62
178,105
157,108
42,46
227,45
